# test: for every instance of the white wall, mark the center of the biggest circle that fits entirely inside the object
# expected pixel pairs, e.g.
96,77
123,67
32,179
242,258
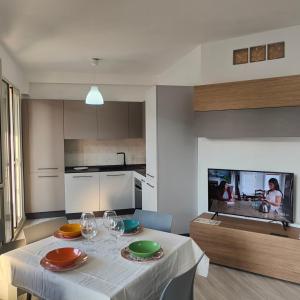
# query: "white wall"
265,154
186,71
216,61
12,72
67,91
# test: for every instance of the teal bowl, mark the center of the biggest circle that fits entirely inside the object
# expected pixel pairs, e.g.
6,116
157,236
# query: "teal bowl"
143,249
131,225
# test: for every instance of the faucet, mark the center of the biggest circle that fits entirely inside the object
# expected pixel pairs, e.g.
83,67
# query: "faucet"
124,157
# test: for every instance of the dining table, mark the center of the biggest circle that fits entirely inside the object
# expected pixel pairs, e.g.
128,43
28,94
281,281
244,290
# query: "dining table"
106,274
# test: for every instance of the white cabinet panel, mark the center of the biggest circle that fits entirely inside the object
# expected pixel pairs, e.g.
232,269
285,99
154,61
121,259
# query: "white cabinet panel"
116,190
45,192
151,133
149,200
82,192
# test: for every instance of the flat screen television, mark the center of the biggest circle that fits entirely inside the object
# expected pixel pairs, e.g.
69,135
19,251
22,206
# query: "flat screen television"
257,194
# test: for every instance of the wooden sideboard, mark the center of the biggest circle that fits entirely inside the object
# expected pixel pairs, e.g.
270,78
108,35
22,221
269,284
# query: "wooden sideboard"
259,93
260,247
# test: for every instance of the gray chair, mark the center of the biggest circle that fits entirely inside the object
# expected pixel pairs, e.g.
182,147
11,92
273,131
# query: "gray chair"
182,286
43,229
154,220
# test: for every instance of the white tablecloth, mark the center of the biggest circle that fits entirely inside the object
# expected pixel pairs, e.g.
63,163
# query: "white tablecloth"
106,275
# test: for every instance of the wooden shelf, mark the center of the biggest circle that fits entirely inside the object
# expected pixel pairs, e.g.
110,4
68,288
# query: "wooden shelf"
251,246
261,93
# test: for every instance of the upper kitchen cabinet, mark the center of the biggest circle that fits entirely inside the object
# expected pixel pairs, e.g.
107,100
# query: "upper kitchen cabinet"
43,135
136,127
113,120
80,120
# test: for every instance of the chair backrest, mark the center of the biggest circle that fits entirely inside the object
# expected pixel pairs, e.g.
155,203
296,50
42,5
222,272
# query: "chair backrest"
182,286
43,229
154,220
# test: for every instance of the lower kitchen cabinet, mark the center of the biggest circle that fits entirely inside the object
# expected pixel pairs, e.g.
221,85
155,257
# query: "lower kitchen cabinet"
116,190
82,192
45,190
149,194
98,191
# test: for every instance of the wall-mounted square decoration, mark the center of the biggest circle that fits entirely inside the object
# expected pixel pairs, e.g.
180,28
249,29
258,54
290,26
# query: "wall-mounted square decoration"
240,56
276,50
258,53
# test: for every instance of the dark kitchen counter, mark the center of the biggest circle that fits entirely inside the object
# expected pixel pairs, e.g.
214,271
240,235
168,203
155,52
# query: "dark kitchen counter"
141,168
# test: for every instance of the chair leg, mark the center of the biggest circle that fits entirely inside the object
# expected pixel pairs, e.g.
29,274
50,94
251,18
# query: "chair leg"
28,296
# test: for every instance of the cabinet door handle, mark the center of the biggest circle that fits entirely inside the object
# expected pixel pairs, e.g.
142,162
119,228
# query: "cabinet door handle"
48,176
113,175
47,168
150,175
83,176
152,186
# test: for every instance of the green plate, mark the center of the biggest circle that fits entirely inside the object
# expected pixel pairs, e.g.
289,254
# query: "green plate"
143,249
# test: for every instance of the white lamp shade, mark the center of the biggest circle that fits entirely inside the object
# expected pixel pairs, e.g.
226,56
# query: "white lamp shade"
94,96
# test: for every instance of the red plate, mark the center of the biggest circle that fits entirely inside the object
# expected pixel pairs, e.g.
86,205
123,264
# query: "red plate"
63,257
48,266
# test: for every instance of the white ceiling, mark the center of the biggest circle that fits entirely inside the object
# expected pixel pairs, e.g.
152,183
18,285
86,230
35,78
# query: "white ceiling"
134,37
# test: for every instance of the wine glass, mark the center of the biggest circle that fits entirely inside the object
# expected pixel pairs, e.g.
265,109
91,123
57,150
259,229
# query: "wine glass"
88,227
117,228
107,217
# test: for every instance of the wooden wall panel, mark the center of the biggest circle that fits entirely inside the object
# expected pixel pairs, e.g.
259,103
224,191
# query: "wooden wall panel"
261,93
251,246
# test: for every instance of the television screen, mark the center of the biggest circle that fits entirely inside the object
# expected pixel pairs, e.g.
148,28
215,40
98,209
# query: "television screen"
265,195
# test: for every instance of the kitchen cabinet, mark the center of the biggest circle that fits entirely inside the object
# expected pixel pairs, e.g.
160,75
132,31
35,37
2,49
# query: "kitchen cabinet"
136,127
149,200
113,120
82,192
116,190
45,192
80,120
151,145
43,147
43,135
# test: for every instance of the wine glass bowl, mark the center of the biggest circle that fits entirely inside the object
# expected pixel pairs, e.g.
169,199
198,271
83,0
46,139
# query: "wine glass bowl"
117,227
89,227
107,218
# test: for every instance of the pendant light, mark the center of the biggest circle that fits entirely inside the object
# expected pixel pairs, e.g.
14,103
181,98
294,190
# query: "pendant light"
94,96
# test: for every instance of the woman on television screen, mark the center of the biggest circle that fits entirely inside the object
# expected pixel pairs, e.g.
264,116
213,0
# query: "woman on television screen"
274,195
224,192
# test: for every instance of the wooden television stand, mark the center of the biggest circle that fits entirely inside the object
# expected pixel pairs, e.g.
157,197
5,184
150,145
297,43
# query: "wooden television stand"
260,247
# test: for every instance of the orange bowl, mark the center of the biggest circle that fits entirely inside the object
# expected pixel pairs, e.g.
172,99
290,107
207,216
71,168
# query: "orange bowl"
70,230
63,257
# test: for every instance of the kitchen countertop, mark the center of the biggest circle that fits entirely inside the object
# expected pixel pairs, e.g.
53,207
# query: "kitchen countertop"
140,168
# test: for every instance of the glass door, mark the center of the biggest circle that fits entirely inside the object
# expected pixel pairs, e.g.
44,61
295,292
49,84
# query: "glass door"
6,172
11,185
16,157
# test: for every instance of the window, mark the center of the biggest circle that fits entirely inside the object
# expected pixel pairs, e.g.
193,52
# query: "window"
11,187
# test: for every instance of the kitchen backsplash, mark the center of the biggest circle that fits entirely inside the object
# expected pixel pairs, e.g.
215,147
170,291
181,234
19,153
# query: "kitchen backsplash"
104,152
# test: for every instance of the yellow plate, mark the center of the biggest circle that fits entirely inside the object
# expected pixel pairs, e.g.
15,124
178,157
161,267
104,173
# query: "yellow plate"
70,230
